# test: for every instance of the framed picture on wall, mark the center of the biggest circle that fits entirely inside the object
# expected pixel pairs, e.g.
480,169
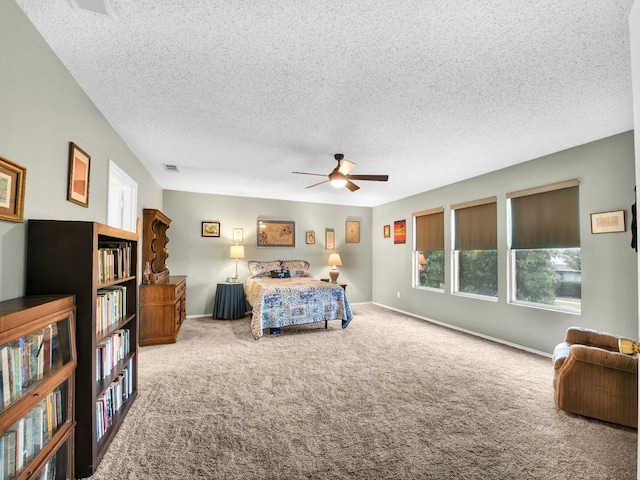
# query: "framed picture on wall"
329,239
210,229
79,167
238,235
608,222
276,233
400,231
352,231
311,238
12,186
386,231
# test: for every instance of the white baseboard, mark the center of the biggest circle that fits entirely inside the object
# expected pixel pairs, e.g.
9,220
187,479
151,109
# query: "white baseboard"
470,332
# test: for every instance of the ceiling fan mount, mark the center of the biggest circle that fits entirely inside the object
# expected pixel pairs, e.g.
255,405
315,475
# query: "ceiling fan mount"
340,177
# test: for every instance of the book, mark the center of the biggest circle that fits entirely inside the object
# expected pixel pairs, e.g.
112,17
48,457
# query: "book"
6,376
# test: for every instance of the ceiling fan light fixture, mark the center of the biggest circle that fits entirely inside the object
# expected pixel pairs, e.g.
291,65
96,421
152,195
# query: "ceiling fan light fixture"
337,179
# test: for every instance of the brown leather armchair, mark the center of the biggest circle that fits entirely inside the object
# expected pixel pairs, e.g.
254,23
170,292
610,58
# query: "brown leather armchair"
592,378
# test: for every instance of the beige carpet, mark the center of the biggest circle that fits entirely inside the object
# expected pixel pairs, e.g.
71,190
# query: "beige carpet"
390,397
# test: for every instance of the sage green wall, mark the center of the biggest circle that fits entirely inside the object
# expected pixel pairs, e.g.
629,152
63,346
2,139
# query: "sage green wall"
43,109
205,260
609,267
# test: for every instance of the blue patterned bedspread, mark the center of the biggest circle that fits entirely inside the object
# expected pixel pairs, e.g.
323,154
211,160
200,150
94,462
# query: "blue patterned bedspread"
282,302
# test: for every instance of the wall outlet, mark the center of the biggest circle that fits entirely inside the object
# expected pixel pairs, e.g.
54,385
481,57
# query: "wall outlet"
398,295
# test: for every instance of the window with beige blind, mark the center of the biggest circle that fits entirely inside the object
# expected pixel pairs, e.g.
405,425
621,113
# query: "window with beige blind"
428,266
475,254
544,254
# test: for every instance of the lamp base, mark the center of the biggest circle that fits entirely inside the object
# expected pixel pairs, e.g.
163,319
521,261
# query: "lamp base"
333,274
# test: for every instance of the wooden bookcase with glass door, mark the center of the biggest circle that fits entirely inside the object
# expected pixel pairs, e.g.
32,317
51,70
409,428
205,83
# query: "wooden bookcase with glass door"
99,265
37,365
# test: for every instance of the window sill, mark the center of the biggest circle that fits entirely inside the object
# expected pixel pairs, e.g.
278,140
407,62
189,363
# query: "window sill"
429,289
551,308
476,296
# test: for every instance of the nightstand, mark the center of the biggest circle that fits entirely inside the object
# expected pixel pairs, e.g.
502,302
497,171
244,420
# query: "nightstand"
343,285
230,301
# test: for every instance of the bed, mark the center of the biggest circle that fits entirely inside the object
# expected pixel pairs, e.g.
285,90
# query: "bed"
283,293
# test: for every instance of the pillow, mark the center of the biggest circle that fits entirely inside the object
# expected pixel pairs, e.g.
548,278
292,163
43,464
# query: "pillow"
263,269
280,274
295,264
299,273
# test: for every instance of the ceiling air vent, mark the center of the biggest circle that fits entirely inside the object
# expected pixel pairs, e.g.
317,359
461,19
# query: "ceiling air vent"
100,7
170,168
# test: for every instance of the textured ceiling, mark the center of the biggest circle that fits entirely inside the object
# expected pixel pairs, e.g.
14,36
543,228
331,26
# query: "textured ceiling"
238,94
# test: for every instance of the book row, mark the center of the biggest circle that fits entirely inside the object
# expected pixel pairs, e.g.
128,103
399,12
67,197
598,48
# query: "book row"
112,399
111,306
49,470
114,261
20,443
25,361
110,351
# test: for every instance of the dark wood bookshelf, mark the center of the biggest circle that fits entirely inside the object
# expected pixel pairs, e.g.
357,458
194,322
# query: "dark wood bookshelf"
63,258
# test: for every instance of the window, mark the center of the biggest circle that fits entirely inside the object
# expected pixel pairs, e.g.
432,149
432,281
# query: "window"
428,256
544,253
122,199
475,255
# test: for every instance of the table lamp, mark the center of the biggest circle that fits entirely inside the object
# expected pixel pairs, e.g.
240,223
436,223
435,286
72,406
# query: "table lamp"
237,251
334,259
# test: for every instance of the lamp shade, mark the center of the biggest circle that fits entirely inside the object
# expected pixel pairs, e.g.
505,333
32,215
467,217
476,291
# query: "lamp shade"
334,259
237,251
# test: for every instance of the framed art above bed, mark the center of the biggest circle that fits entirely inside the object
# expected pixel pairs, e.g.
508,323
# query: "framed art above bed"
276,233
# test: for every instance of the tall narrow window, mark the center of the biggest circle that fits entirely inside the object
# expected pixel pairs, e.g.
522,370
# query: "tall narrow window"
122,199
428,255
544,250
475,254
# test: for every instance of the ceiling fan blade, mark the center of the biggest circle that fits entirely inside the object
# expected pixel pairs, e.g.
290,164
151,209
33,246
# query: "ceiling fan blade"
375,178
307,173
352,186
346,166
316,184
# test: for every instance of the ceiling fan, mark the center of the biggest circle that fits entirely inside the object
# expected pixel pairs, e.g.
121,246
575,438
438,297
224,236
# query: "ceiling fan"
339,176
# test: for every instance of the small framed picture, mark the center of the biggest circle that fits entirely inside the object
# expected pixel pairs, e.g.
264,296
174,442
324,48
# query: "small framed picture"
238,235
12,185
311,238
79,167
608,222
387,231
329,239
352,234
210,229
400,231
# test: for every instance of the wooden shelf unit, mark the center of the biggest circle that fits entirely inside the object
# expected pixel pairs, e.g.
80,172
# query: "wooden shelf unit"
37,362
154,243
163,306
66,257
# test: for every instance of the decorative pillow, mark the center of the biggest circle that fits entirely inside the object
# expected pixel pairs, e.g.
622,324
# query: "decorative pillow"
280,274
299,273
295,264
263,269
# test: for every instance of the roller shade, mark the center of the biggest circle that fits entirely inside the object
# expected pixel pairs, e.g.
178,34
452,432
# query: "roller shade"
430,230
476,226
546,220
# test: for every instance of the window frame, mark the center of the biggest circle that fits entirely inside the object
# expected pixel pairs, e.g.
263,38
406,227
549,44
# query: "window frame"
415,260
455,255
511,252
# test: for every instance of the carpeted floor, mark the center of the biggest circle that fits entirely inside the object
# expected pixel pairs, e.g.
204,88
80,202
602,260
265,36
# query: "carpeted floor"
390,397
